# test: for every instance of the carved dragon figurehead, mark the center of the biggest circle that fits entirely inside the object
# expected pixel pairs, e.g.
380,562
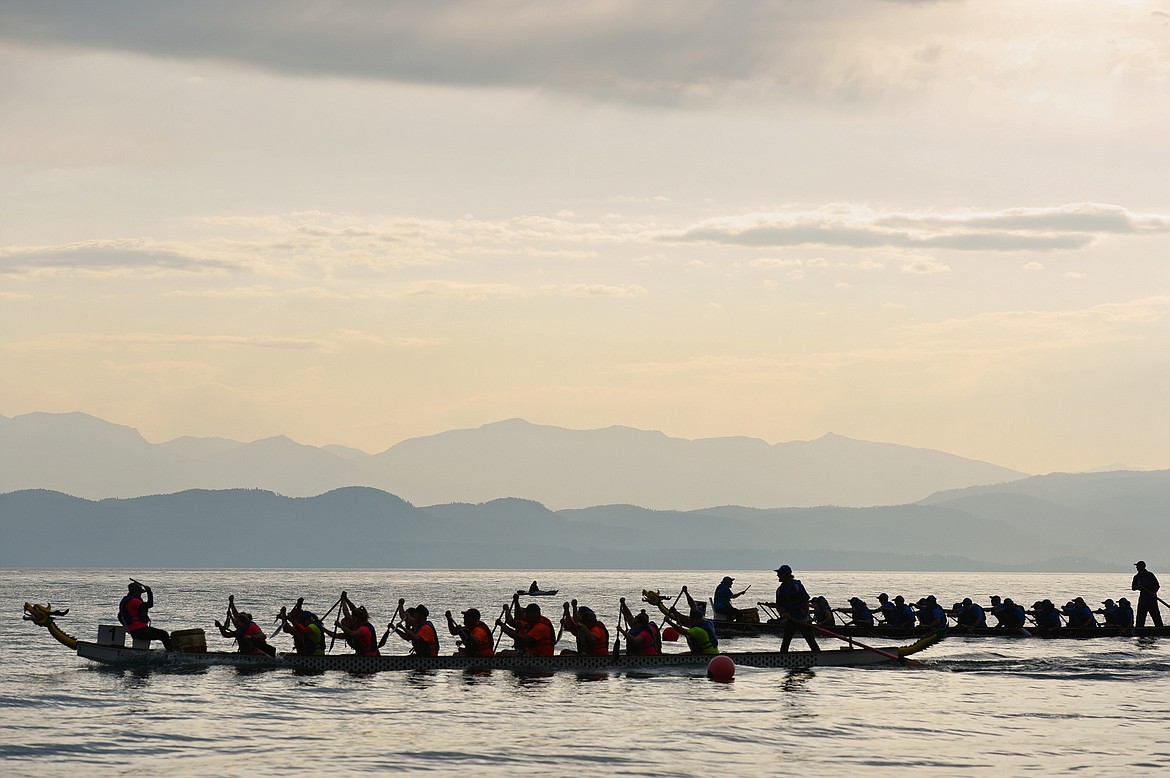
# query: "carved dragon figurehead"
42,616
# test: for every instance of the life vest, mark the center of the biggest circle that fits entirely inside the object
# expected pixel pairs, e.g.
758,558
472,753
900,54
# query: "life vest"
483,639
250,638
705,642
132,613
1047,618
600,640
541,636
365,642
653,643
309,638
427,643
905,616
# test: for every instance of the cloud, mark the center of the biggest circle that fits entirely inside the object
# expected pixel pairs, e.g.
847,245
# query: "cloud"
857,227
109,257
846,52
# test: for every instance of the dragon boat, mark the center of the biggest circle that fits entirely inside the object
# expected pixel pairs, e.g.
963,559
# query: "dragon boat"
111,652
734,629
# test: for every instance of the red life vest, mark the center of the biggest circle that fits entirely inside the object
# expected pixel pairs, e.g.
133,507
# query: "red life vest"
540,637
483,639
131,613
251,638
600,640
365,641
428,641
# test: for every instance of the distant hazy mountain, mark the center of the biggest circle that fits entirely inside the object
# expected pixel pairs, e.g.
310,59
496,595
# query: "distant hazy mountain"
1081,523
84,456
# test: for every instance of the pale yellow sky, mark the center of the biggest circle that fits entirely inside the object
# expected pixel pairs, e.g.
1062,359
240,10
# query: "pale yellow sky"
943,224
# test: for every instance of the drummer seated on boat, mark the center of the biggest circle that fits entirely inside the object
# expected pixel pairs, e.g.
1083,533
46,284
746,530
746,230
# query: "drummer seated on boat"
134,615
722,600
592,636
473,636
534,634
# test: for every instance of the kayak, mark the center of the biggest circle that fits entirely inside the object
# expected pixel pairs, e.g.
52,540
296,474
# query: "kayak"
538,593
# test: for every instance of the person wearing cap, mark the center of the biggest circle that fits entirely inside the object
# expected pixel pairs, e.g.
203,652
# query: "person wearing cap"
885,610
722,600
474,637
534,634
1124,613
1045,614
792,604
903,614
930,613
247,633
1146,583
592,635
1109,613
970,614
822,612
419,631
996,610
134,615
1081,615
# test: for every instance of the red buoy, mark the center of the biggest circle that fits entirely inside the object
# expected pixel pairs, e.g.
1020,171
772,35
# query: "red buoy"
670,633
721,669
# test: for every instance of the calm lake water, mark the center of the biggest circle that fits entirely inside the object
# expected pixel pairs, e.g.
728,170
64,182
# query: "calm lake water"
979,706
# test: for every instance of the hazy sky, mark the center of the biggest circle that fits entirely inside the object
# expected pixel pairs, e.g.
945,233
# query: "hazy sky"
944,224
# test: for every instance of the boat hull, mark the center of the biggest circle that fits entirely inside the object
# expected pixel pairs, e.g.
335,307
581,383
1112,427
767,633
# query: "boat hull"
118,655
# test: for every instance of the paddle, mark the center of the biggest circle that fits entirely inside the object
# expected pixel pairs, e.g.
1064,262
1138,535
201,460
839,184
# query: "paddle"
503,613
337,620
617,647
851,641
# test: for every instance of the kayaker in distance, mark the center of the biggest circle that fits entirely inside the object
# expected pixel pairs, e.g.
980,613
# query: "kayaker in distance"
134,615
1146,583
